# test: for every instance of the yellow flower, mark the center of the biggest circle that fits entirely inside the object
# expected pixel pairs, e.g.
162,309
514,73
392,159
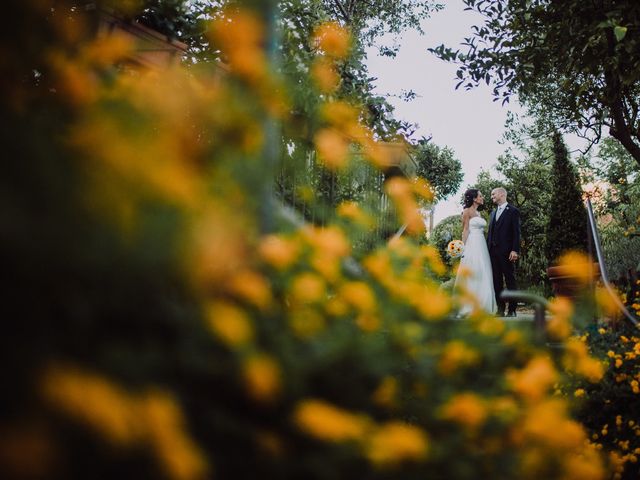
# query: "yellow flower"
177,453
533,381
635,387
241,34
332,39
94,401
329,241
431,303
396,442
577,265
587,465
466,409
577,359
456,354
368,322
423,189
327,422
278,251
359,296
547,422
401,192
433,257
229,323
251,287
607,303
262,377
333,148
579,393
618,362
352,211
325,75
308,288
559,325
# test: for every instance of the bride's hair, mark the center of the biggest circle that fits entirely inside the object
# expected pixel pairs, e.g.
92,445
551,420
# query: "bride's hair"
469,196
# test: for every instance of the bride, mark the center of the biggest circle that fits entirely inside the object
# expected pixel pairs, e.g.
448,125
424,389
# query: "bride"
474,273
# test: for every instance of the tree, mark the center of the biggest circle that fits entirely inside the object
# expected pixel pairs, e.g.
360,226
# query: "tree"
576,62
567,227
439,166
614,178
449,228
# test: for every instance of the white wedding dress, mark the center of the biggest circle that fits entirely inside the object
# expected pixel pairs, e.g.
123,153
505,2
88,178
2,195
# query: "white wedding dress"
474,273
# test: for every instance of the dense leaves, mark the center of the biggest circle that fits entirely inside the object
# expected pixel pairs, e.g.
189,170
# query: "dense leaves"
576,62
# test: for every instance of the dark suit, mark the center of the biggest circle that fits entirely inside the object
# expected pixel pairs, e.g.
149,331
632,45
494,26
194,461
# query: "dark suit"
502,239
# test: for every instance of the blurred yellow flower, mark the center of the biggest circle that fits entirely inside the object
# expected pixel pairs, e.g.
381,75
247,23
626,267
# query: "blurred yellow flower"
177,453
396,442
548,422
368,322
252,287
586,465
308,288
327,422
379,265
106,51
94,401
325,75
607,303
423,189
332,39
240,34
577,265
352,211
401,192
333,148
230,323
456,354
431,303
466,409
359,296
579,393
434,259
126,419
534,380
262,377
577,359
330,241
278,251
559,325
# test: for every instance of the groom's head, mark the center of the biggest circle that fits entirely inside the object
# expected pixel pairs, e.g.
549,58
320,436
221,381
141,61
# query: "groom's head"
498,195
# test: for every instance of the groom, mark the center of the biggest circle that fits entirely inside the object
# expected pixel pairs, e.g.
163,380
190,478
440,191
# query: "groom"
503,241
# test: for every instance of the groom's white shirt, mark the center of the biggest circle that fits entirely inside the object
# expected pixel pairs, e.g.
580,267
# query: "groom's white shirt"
501,209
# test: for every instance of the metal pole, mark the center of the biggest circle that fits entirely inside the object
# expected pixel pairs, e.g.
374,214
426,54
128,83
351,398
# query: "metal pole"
602,267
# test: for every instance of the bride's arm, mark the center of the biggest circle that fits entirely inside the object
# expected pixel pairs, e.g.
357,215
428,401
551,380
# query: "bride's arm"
465,226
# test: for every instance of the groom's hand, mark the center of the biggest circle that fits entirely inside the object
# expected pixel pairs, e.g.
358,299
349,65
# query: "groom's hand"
513,256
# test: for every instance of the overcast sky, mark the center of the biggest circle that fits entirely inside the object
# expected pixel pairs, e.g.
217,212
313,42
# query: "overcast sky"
467,121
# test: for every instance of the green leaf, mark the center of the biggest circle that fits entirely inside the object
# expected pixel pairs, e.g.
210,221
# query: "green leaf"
620,32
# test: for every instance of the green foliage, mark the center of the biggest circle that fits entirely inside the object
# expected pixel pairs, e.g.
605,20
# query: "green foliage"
446,230
614,178
572,62
439,166
567,227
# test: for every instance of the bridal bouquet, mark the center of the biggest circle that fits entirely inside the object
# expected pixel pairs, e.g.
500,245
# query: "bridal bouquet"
455,248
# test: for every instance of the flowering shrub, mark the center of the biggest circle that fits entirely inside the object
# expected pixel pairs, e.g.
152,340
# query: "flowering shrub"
609,409
160,323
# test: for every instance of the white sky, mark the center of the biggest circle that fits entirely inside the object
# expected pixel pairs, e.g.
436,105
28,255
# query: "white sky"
467,121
